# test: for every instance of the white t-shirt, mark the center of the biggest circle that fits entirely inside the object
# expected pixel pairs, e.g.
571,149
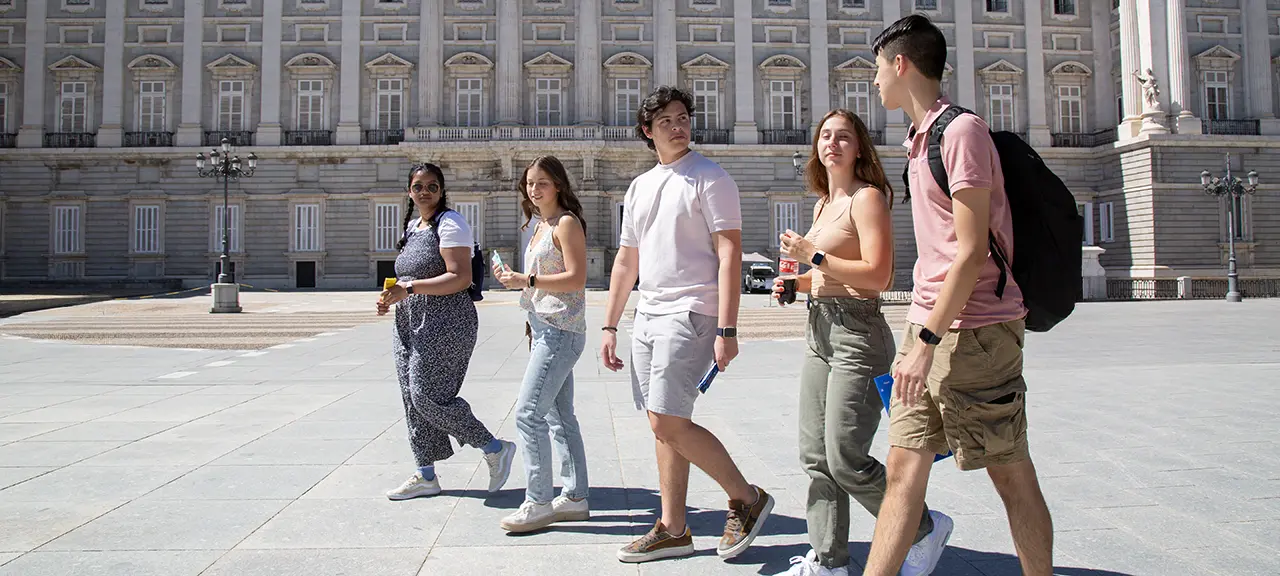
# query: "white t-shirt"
453,230
669,214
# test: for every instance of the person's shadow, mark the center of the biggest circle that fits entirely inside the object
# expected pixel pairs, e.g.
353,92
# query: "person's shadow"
955,561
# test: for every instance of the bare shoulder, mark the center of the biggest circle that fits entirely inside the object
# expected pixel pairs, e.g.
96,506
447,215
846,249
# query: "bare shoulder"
869,198
569,224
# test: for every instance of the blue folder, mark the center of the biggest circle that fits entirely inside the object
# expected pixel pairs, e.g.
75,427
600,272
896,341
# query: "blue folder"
884,385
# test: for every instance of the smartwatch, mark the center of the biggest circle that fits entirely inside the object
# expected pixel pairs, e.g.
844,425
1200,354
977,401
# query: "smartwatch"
818,257
729,332
928,337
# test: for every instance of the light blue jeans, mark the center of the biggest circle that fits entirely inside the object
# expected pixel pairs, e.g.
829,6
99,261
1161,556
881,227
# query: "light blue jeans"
545,412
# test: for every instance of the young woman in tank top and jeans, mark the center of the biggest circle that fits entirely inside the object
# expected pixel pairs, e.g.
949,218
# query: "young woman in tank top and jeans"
554,295
850,249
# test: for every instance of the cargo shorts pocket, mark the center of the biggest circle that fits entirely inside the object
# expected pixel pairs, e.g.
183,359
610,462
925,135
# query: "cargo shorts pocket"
985,426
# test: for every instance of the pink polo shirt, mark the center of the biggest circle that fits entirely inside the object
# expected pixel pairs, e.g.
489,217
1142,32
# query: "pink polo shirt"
972,162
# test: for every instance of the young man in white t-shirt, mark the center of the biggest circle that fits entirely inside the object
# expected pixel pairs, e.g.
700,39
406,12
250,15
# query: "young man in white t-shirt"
682,237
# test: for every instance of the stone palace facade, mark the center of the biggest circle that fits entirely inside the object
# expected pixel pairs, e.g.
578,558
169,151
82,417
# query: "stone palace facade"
104,105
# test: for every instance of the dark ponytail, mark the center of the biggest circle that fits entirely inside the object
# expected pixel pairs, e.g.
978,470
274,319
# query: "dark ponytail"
410,209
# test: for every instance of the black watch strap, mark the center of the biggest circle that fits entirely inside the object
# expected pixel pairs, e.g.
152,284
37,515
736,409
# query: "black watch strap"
729,332
928,337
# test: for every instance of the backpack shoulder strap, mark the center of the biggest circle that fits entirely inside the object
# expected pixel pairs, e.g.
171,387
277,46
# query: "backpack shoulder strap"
935,146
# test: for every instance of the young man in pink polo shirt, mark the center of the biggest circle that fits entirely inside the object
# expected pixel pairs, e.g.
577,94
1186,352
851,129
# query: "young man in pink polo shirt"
958,382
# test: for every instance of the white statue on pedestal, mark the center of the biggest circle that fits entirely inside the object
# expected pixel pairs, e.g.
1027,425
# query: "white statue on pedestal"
1153,116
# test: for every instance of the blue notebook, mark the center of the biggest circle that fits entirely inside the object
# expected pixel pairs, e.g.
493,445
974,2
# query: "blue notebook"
706,379
884,385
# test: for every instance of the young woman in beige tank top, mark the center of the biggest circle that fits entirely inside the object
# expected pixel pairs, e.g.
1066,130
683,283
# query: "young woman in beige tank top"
850,249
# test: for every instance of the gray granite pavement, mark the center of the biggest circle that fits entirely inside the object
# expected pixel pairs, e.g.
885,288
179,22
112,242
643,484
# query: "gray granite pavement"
1153,426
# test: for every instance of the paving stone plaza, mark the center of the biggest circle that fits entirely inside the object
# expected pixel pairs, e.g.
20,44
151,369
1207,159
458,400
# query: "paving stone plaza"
262,444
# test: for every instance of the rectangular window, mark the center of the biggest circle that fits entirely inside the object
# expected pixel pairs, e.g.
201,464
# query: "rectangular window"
231,105
1216,95
627,33
4,108
1107,219
998,6
387,232
708,34
311,105
233,235
306,228
850,37
548,32
706,104
998,40
547,109
233,34
1086,213
390,110
1066,42
74,113
470,106
66,230
618,209
146,229
1237,217
926,4
470,212
1000,115
1212,24
786,216
390,32
782,104
780,35
853,4
311,32
1064,7
1070,110
151,106
153,34
857,97
626,101
77,35
469,32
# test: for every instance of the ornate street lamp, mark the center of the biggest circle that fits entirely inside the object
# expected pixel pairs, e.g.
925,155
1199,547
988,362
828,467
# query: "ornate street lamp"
1233,188
798,162
222,165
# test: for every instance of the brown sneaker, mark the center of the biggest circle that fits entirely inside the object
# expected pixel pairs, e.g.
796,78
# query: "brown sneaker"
743,524
656,545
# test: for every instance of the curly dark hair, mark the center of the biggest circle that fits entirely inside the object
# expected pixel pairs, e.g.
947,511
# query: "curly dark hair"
654,104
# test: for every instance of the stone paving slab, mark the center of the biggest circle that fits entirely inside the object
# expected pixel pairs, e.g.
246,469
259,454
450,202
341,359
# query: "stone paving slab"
1153,427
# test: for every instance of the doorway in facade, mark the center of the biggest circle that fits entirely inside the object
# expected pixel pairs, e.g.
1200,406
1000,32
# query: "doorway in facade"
386,269
306,274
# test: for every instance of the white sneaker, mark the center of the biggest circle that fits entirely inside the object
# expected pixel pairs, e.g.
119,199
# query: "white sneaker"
529,517
567,510
500,465
414,487
808,566
923,556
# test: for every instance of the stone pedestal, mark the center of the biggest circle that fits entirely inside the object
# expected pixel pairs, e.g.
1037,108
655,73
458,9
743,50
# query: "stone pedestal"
1188,124
269,134
745,133
595,267
110,136
1266,126
226,298
1153,123
348,134
1094,275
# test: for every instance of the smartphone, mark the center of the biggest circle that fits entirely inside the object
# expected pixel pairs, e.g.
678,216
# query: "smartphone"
497,260
708,377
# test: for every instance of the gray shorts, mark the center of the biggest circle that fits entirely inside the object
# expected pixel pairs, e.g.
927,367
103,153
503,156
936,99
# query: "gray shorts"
669,355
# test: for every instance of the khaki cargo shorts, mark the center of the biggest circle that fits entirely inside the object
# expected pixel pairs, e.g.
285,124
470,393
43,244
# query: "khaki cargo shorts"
975,401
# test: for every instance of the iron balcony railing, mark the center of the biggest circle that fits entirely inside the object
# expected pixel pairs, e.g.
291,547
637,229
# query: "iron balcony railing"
307,138
712,136
1232,127
148,139
234,137
8,140
792,137
383,137
70,140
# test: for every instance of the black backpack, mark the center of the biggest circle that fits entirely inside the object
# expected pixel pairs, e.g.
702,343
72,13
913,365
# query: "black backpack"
479,269
1047,228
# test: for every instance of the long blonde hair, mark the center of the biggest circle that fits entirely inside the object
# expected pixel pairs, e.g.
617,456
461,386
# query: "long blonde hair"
866,167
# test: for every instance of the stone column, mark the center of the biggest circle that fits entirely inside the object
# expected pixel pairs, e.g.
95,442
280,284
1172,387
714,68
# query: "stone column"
190,127
744,76
1152,28
111,131
967,94
665,65
1104,91
34,69
509,63
1257,62
431,64
348,132
895,121
1179,69
1130,61
587,63
1038,128
269,129
819,62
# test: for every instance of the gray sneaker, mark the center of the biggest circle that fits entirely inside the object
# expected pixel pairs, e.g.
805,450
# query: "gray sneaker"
500,465
923,556
415,487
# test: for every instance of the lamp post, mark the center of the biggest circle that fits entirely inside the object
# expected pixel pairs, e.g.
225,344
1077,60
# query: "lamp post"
798,162
1233,188
222,165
